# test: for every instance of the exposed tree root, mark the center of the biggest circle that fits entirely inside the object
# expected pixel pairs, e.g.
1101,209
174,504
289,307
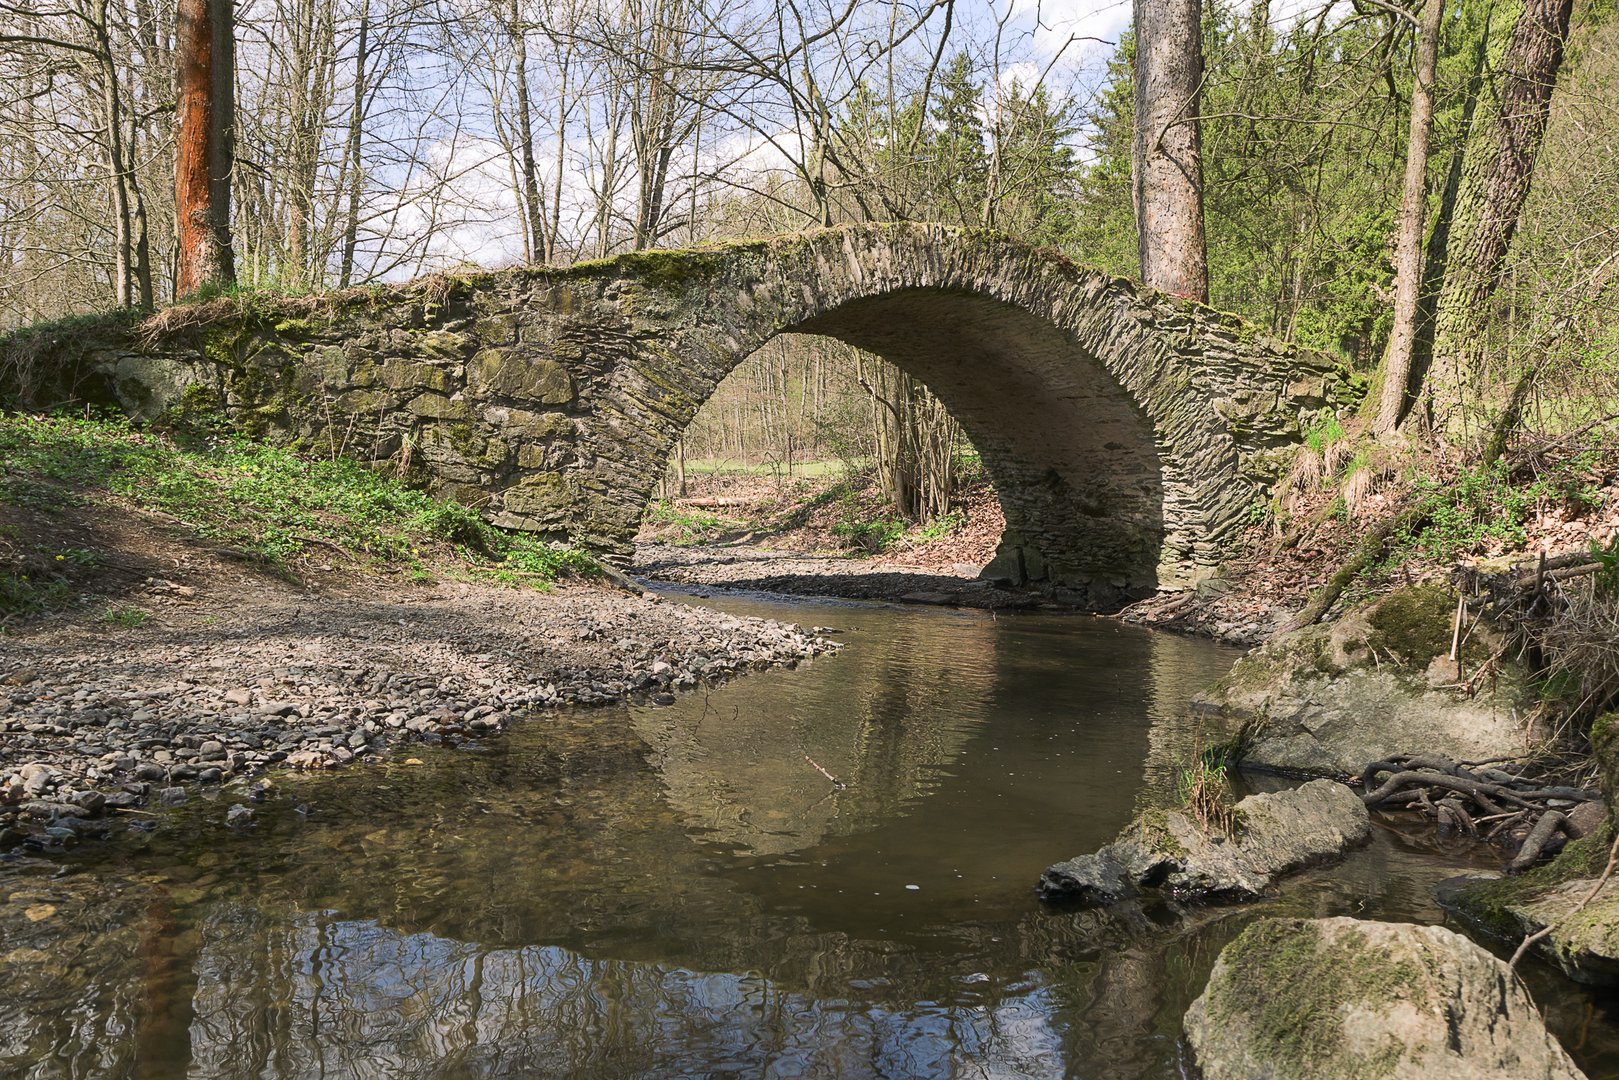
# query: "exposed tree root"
1463,797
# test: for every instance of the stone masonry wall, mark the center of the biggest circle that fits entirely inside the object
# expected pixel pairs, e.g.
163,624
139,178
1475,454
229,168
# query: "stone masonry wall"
1128,433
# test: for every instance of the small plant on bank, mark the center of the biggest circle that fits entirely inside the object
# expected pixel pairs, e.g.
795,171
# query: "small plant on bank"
1488,508
1204,790
690,526
942,526
127,618
873,536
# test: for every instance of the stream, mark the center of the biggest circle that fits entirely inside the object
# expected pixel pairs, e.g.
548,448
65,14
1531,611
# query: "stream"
821,872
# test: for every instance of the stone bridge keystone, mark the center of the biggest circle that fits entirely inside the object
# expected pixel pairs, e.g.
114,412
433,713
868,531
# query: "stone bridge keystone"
1127,433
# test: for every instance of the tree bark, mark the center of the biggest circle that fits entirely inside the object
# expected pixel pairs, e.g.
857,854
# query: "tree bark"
1168,147
1495,183
353,163
205,81
1413,213
532,200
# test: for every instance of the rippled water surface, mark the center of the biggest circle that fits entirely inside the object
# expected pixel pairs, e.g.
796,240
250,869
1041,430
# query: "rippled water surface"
825,872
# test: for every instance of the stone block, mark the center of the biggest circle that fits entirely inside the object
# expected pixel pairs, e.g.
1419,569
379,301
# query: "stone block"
520,374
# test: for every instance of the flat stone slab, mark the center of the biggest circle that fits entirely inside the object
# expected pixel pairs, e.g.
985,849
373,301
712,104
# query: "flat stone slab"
1277,833
1326,700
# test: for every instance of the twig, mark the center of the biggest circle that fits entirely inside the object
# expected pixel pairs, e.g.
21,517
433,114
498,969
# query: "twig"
839,784
1607,872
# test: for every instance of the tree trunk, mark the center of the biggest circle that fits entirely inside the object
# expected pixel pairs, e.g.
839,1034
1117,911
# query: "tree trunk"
1495,183
1413,212
205,82
1168,149
532,201
112,117
356,181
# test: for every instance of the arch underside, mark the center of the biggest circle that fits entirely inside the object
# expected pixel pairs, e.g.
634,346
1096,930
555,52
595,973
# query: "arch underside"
1072,457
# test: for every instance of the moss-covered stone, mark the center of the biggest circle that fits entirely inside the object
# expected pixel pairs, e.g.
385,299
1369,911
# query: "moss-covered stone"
1411,625
522,375
1327,700
1341,999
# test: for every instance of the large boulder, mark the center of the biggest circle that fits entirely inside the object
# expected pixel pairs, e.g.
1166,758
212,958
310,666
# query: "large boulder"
1325,999
1326,700
1275,834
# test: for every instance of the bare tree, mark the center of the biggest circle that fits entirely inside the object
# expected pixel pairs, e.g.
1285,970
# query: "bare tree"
1397,365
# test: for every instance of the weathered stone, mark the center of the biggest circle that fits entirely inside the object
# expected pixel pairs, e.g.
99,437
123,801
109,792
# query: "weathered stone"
1127,433
522,375
1335,999
544,498
1276,834
1377,682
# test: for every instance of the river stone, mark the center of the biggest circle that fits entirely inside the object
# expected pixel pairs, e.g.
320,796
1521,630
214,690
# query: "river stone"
1584,942
1277,833
1341,998
1326,700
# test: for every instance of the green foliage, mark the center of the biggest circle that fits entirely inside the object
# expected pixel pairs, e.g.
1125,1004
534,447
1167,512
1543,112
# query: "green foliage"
30,594
267,502
941,526
1204,790
1607,560
1326,430
125,617
1489,506
689,525
872,535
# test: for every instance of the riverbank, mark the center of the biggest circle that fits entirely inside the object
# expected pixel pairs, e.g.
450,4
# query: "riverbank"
223,680
175,613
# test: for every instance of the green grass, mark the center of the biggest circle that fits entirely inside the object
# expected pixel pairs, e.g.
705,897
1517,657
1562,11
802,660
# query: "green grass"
271,504
691,526
129,618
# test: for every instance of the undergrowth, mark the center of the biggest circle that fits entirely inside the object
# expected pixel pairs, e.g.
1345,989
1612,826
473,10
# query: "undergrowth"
1490,506
268,503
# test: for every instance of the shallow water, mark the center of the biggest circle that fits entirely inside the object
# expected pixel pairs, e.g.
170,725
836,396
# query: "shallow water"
823,872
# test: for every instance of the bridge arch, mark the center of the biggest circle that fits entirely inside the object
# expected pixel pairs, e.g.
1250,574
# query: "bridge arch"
1103,412
1128,433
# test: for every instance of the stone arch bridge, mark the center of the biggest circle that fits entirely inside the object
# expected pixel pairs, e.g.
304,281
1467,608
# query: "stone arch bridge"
1129,434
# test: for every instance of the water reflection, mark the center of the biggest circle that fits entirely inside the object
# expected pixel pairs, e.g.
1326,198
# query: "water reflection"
680,891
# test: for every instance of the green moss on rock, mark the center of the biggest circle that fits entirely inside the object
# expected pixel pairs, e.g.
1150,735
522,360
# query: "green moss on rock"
1413,625
1292,988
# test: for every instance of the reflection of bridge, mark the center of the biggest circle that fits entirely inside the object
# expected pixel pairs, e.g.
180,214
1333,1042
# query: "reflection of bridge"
1126,432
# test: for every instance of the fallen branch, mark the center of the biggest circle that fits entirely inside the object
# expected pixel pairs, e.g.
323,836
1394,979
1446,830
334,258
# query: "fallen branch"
1370,549
1530,941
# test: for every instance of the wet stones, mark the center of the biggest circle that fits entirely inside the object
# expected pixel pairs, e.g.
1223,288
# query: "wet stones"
1166,851
141,722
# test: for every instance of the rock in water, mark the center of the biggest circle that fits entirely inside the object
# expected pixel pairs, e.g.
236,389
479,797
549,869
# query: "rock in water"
1325,700
1326,999
1276,834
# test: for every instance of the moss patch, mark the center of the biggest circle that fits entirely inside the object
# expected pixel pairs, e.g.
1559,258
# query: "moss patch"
1413,625
1290,987
1487,902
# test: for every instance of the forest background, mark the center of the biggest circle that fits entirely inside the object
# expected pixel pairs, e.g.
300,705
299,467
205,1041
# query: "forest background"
384,139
